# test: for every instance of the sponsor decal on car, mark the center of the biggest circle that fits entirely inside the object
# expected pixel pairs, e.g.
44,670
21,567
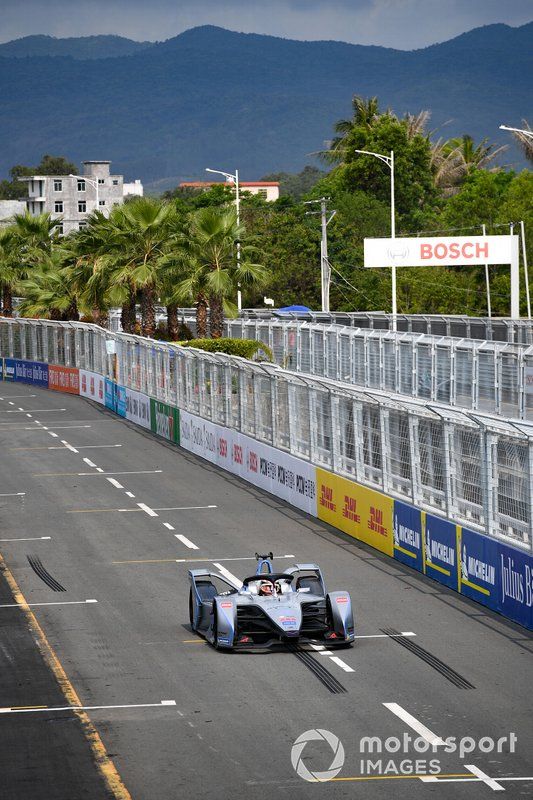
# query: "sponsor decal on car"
226,605
342,599
287,621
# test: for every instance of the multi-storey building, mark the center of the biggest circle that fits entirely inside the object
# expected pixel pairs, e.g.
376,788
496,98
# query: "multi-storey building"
269,190
71,198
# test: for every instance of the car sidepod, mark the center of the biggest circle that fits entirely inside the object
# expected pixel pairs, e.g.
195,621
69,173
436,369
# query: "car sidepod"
341,617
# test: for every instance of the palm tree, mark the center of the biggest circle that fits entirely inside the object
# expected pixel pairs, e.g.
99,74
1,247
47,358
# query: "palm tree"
21,244
525,141
365,115
454,159
143,233
8,269
208,253
48,291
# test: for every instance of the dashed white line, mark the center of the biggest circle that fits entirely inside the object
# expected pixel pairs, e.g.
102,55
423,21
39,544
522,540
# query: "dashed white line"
99,469
64,603
11,403
147,510
183,508
53,434
34,539
385,635
115,483
28,415
413,723
169,526
227,574
95,446
17,710
187,542
13,494
342,664
130,494
89,462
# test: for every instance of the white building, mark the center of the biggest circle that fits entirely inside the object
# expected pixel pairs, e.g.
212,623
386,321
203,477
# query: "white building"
269,190
71,198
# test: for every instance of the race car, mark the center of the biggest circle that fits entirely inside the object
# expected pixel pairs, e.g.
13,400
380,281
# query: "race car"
269,608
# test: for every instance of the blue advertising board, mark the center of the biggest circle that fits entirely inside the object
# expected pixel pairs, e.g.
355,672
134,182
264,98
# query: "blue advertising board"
440,551
109,394
26,371
407,534
515,585
1,369
120,400
478,568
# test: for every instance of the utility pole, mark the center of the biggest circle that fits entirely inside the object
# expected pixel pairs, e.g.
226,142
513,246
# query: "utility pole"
325,269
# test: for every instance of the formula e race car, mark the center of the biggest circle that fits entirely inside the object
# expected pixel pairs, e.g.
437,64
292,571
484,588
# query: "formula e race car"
269,607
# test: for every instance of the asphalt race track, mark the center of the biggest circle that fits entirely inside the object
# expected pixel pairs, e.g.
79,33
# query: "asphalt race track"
125,515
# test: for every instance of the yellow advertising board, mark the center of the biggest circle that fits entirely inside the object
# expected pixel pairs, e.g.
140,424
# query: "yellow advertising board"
358,511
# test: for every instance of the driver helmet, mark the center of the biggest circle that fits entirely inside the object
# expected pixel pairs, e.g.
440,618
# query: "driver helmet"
266,588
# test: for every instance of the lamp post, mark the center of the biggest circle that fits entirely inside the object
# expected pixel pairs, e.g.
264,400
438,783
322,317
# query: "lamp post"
516,130
389,161
235,178
92,183
527,134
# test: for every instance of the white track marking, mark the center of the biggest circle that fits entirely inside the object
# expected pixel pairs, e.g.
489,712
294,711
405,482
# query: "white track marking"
413,723
318,647
99,469
435,779
17,710
227,574
130,494
490,782
187,542
147,510
34,410
17,395
42,428
240,558
13,494
34,539
28,415
326,652
89,462
95,446
342,664
64,603
385,635
185,508
169,526
11,403
55,435
115,483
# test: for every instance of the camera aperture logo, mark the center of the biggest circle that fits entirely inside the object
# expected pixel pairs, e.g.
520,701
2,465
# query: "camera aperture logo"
314,735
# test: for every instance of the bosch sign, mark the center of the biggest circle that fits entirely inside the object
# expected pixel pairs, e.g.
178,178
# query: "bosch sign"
448,250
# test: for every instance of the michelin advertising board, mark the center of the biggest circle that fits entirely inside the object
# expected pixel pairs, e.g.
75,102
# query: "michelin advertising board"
276,472
407,535
440,551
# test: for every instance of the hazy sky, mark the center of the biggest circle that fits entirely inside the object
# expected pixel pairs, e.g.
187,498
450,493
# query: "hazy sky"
404,24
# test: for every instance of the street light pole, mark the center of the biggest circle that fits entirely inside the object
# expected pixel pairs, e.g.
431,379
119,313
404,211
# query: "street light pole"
389,161
517,130
235,179
325,269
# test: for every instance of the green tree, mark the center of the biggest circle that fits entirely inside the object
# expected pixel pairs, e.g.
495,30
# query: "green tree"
208,251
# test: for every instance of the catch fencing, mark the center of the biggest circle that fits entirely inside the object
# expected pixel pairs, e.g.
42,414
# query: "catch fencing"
495,329
474,469
490,377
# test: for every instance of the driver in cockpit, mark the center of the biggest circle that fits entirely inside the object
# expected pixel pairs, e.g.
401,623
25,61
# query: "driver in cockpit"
266,589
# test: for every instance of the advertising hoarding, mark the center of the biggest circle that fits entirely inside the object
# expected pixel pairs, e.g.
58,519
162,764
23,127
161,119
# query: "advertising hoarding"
440,551
137,407
92,386
63,379
26,371
361,512
407,535
478,568
440,251
164,420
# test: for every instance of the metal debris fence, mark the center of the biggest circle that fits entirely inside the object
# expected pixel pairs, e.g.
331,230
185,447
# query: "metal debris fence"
490,377
471,468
